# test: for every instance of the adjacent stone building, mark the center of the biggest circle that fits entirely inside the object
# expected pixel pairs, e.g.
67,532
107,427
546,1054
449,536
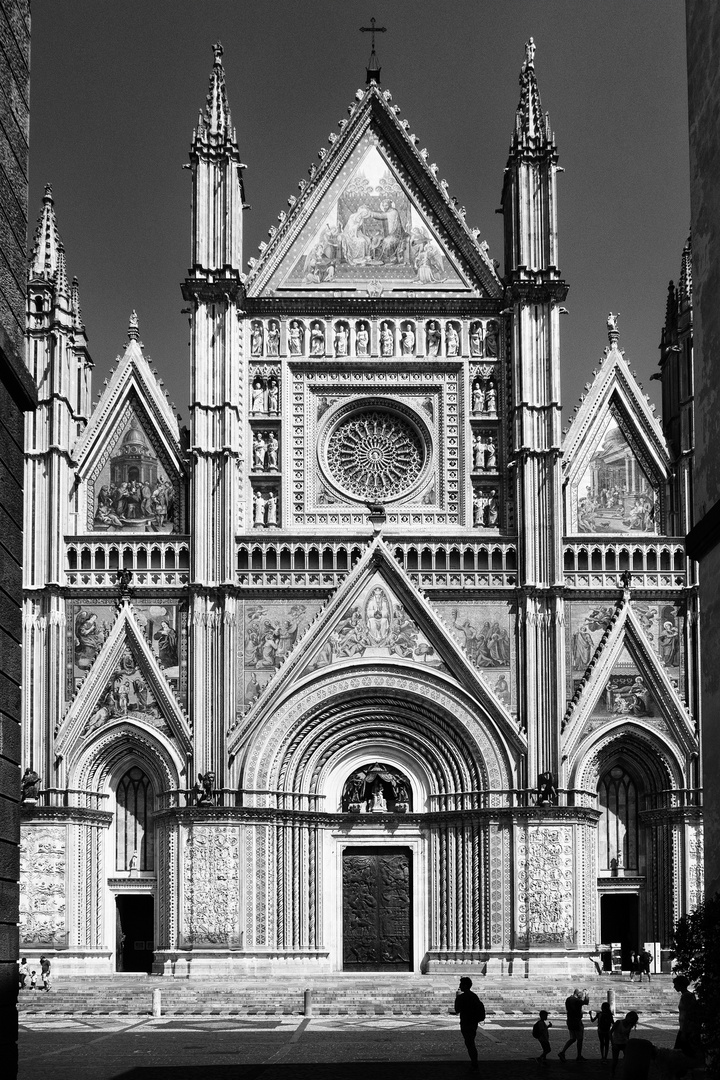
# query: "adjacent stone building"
375,669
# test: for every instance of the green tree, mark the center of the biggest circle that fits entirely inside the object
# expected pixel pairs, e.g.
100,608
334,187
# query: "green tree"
696,951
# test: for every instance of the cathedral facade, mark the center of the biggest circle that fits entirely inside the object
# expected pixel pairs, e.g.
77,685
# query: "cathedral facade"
375,668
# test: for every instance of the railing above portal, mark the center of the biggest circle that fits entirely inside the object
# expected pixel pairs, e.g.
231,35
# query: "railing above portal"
262,798
673,798
79,798
654,564
313,564
154,562
509,798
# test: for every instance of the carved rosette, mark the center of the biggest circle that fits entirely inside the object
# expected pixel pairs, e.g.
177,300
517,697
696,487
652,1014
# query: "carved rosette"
211,888
375,454
545,914
42,886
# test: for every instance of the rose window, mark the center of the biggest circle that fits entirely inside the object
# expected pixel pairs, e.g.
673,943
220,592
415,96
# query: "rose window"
375,454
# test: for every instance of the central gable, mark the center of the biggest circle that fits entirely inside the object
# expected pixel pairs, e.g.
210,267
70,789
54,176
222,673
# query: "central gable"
369,228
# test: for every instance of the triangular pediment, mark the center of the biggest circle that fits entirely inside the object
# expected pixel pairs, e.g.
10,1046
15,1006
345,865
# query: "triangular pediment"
616,460
377,617
625,680
130,471
125,684
374,220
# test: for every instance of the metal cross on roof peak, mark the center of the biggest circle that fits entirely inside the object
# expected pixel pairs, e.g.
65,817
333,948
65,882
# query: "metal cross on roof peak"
373,29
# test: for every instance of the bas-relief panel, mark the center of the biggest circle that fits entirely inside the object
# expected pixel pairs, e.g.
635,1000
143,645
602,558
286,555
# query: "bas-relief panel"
211,886
615,493
132,490
486,633
164,625
545,886
626,692
270,630
376,625
42,886
368,230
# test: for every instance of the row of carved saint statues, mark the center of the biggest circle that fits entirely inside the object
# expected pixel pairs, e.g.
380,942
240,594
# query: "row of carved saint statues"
388,338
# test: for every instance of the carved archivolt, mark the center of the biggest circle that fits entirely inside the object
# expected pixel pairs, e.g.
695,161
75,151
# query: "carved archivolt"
109,753
460,751
652,757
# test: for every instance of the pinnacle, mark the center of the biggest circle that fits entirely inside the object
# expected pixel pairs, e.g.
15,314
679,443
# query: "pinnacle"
216,122
530,121
47,244
685,283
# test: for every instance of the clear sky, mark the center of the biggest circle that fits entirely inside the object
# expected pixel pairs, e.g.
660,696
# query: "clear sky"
116,86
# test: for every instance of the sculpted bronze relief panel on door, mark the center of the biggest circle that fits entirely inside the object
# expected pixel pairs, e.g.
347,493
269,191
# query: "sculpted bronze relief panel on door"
377,889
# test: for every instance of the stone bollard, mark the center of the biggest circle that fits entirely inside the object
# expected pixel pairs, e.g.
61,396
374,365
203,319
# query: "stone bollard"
611,1000
156,1003
307,1003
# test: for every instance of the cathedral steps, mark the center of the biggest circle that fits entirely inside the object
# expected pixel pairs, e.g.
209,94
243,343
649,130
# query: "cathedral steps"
335,996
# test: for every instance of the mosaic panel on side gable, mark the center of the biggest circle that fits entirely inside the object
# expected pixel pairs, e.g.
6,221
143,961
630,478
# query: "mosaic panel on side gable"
270,631
134,489
486,634
164,625
616,492
626,692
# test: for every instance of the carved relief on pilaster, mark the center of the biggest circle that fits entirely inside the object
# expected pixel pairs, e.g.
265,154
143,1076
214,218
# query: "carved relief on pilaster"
167,841
211,886
43,902
496,859
545,885
695,865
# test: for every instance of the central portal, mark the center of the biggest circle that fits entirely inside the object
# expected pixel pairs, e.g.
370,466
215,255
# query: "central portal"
377,925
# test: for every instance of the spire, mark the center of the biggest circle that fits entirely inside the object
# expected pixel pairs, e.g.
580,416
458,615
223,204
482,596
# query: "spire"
61,281
75,304
530,123
685,283
215,123
47,244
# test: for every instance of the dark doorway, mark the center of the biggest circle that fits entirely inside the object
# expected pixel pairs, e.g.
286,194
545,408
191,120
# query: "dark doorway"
619,922
377,921
135,933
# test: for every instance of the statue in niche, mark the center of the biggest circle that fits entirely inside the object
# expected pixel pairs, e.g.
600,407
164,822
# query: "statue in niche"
271,453
257,397
376,789
259,447
317,339
492,509
490,454
491,398
30,786
133,864
407,341
356,789
387,340
256,339
476,339
362,340
479,505
378,803
452,340
491,339
546,791
295,338
341,340
272,508
433,338
478,397
259,508
273,338
478,453
273,397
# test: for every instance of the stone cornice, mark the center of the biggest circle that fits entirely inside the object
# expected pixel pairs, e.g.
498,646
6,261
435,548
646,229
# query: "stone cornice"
65,815
234,815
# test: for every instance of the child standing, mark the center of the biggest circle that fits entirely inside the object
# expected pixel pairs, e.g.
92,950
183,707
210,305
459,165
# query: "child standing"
23,972
540,1032
33,980
605,1021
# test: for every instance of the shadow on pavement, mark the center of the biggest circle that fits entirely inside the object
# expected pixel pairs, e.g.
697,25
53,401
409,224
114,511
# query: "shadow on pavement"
361,1069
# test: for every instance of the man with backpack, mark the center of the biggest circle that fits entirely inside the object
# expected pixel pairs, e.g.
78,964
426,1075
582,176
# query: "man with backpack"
472,1012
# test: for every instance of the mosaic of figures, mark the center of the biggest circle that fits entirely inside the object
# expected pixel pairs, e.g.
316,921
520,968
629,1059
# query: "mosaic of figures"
368,229
486,633
270,631
164,628
132,491
626,692
361,337
42,886
127,695
376,625
615,494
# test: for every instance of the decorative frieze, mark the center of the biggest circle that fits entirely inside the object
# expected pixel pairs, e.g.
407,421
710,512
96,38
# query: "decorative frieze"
546,886
42,886
211,886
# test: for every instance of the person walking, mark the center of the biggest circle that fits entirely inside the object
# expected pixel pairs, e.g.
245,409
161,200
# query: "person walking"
633,966
45,973
472,1012
574,1010
540,1032
620,1036
605,1020
644,961
23,973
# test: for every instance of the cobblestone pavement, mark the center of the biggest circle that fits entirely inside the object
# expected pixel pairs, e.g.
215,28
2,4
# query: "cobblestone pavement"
322,1048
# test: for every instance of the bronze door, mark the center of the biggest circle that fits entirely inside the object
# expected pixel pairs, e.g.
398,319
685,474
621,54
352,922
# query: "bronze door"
376,909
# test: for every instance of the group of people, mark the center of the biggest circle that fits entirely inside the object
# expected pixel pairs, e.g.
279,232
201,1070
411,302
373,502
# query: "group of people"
613,1034
28,980
134,503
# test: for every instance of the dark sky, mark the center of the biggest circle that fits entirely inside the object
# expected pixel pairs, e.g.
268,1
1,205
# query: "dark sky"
116,88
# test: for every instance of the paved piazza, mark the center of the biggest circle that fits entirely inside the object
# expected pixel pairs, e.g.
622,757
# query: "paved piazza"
275,1048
